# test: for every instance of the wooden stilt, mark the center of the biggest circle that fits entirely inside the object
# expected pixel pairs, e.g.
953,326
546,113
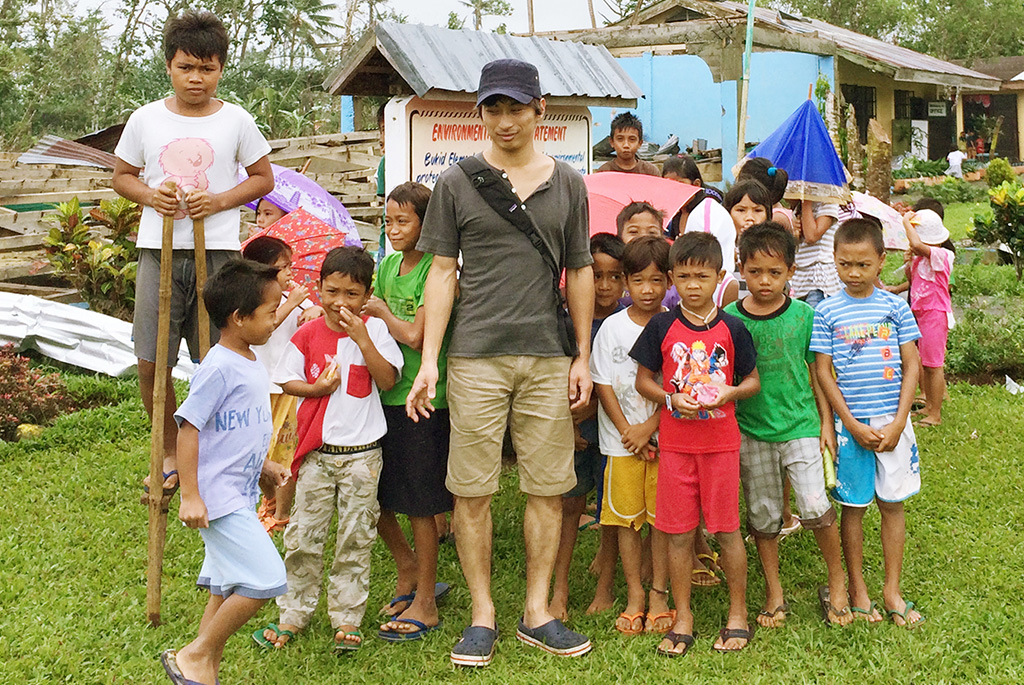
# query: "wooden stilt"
157,505
199,238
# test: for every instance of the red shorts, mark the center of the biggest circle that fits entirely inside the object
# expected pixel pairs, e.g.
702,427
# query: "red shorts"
693,484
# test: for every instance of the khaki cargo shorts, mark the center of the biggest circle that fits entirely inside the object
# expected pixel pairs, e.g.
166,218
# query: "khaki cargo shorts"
532,393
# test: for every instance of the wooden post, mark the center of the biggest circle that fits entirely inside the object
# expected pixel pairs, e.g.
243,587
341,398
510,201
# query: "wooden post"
199,237
157,506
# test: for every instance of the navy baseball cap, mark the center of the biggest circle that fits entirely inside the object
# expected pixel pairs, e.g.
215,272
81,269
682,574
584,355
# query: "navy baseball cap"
511,77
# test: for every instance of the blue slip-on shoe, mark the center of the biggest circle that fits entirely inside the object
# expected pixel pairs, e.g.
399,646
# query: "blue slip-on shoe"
555,638
476,648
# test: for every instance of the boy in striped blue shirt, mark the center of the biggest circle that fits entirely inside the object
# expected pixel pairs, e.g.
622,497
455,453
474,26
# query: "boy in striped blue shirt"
867,335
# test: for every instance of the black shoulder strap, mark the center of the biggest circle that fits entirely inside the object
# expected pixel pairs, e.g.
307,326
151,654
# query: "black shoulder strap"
499,196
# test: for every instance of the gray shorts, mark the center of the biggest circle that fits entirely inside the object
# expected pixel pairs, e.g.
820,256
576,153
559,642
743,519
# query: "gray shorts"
184,315
762,468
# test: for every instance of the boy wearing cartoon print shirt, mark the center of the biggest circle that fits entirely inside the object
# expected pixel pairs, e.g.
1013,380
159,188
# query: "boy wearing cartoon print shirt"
196,142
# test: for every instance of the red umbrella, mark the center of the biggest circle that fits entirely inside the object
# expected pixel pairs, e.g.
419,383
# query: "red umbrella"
310,239
610,191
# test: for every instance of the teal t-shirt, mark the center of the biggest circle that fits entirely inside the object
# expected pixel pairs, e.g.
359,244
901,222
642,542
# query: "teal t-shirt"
404,296
785,408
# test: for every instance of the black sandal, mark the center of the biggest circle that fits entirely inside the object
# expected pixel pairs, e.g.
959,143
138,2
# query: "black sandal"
727,634
675,638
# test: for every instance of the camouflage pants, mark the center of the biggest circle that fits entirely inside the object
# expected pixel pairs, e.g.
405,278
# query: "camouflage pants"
348,483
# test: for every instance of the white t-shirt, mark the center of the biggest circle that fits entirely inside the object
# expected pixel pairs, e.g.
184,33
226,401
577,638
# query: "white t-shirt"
610,364
194,152
353,414
710,217
955,159
229,403
270,352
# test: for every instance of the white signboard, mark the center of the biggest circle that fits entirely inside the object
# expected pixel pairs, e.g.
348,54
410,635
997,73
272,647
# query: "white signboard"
432,136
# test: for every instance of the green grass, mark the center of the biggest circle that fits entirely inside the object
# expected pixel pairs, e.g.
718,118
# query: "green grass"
959,217
73,583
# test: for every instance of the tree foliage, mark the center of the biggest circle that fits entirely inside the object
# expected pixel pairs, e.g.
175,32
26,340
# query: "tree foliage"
68,71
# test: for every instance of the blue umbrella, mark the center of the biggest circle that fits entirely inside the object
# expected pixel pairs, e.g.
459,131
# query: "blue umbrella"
802,146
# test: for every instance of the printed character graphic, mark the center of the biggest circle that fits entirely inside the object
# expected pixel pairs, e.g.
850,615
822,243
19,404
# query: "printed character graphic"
696,369
185,161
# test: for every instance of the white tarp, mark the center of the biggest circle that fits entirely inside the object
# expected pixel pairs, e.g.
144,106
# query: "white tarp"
72,335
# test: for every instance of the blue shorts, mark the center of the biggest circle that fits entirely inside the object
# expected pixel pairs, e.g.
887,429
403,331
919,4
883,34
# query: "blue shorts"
863,475
241,558
588,464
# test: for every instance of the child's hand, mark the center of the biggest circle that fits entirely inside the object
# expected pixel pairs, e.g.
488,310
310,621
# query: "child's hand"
649,452
636,436
192,512
278,474
828,439
865,435
685,406
297,294
314,312
200,204
890,437
713,395
375,307
165,200
354,326
327,382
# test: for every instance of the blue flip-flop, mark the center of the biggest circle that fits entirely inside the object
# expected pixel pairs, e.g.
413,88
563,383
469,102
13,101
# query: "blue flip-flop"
169,661
441,591
397,636
168,492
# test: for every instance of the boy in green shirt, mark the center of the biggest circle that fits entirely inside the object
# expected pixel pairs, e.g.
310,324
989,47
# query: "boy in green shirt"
787,426
415,452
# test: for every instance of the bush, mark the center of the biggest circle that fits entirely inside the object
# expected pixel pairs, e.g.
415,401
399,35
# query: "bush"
1006,224
97,253
998,172
985,342
984,280
26,394
950,190
918,168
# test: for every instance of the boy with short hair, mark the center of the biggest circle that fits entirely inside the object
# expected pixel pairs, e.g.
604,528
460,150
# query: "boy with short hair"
226,426
867,335
335,364
196,142
700,353
415,453
589,463
637,219
782,434
626,138
628,425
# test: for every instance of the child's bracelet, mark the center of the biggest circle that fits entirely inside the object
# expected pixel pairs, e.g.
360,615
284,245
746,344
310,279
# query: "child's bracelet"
668,400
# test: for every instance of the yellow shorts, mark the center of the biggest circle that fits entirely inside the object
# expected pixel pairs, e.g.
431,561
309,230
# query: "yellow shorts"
286,437
630,485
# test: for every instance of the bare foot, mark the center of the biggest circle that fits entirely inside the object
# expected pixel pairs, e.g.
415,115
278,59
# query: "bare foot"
601,603
558,606
194,667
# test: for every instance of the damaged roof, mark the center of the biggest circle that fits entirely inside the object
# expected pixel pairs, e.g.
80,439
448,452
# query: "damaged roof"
439,63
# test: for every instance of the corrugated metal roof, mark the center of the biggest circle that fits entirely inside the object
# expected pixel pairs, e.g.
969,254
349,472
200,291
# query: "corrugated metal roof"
431,60
913,65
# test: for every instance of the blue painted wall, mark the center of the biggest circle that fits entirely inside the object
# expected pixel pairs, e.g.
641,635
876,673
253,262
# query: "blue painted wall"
682,98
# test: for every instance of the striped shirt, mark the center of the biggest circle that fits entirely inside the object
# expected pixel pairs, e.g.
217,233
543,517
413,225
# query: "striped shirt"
815,264
863,337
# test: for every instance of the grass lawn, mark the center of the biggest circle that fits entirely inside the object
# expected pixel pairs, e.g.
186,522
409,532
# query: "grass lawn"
73,589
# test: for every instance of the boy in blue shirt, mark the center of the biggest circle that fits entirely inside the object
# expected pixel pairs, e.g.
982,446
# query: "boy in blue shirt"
867,335
224,432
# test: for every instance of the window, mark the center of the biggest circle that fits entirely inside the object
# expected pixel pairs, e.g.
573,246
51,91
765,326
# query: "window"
863,100
903,106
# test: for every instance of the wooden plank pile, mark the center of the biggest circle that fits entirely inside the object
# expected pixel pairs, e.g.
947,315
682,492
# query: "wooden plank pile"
345,164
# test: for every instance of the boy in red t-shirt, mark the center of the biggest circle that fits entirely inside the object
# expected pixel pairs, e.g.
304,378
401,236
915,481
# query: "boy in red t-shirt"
706,359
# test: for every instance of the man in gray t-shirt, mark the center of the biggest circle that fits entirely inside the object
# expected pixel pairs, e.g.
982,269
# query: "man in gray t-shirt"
505,358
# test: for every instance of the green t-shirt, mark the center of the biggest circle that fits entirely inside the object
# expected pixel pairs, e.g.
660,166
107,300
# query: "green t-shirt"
404,297
785,408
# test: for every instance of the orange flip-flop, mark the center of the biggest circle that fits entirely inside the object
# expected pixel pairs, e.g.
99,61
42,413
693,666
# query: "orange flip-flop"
632,618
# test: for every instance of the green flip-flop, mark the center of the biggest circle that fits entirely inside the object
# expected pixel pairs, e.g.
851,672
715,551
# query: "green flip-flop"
891,613
261,639
344,646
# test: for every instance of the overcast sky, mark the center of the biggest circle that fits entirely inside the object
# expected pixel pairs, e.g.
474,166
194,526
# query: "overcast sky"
549,15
